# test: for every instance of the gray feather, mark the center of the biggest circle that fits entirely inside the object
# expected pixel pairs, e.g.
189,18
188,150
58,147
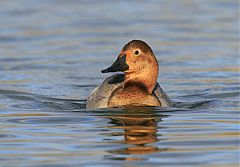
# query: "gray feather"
100,96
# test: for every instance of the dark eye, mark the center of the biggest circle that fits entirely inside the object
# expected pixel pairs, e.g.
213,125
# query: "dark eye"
136,52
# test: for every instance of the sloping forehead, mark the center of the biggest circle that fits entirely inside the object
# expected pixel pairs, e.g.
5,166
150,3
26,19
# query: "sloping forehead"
137,44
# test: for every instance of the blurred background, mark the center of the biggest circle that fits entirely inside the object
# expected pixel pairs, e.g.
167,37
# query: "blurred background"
51,55
57,47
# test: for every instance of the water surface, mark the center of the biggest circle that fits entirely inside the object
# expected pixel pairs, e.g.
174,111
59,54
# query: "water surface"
51,54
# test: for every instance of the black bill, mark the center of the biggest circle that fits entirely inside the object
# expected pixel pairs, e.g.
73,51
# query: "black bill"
119,65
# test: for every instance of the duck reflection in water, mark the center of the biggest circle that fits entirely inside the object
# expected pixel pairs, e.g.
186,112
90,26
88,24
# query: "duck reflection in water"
140,129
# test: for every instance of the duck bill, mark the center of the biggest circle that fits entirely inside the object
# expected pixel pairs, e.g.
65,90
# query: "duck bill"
119,65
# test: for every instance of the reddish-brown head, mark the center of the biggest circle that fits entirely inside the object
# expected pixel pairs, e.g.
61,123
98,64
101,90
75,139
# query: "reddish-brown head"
138,62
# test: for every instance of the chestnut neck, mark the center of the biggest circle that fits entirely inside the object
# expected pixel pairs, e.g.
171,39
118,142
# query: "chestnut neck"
145,80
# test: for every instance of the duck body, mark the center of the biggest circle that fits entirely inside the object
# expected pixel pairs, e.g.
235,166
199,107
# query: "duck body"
104,96
137,86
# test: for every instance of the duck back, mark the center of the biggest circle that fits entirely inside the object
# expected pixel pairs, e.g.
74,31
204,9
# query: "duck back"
100,97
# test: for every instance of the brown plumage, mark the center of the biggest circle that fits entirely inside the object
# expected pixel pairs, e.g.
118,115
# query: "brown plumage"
138,86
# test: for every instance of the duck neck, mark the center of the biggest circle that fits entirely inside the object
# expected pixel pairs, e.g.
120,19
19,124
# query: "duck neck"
145,81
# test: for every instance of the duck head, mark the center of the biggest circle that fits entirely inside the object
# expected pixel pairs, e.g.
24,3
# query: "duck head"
139,65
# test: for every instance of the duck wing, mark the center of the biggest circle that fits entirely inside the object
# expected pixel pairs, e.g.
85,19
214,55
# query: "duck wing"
162,96
100,96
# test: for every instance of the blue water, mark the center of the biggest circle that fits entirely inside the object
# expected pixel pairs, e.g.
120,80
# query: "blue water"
51,55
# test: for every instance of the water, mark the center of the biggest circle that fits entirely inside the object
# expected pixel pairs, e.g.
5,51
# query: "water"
51,55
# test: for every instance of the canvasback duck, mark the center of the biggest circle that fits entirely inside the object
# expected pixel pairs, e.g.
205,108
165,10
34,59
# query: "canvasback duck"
137,86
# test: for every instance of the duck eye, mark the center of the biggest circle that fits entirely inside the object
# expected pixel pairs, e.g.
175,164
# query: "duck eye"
136,52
